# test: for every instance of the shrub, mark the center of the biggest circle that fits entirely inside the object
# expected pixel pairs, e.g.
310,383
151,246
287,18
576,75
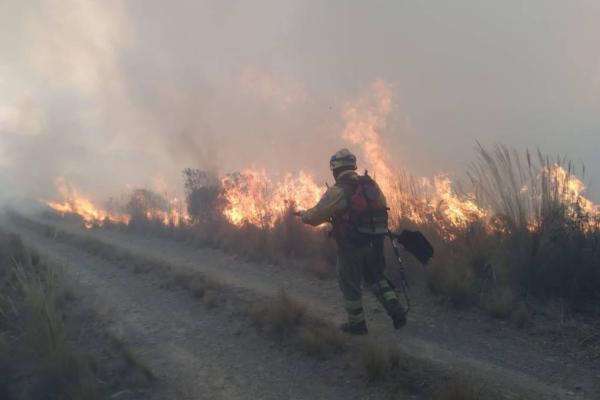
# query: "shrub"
202,195
142,202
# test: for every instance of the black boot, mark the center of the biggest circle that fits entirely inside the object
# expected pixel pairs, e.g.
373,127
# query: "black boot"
359,328
399,319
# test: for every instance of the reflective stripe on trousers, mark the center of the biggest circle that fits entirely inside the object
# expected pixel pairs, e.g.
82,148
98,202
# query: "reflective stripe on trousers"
355,311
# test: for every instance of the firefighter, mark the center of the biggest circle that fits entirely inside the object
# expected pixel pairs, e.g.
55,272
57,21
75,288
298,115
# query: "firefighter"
359,231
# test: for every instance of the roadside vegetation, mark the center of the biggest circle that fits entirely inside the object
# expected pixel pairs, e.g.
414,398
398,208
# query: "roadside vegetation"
538,243
42,352
37,361
288,243
544,245
287,320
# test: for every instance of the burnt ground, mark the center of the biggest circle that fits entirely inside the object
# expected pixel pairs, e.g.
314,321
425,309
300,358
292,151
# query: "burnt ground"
202,352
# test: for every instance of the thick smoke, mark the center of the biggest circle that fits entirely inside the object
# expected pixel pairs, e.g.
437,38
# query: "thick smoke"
114,95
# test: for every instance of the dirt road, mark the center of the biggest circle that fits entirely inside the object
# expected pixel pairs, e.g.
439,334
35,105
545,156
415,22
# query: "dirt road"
199,353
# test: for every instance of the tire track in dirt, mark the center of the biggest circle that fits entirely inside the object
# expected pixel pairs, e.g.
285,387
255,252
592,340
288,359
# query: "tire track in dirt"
268,280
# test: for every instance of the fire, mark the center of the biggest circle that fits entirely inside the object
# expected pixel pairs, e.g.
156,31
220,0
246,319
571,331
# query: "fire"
569,190
455,213
425,201
254,197
251,197
168,211
76,203
148,205
365,119
417,201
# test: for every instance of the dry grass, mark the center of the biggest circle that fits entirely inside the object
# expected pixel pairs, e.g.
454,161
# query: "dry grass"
288,243
320,339
282,318
210,293
387,365
286,320
41,323
498,270
279,318
134,368
36,359
375,361
477,267
452,280
560,258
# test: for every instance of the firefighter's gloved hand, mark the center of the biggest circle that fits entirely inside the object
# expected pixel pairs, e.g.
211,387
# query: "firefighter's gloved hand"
302,215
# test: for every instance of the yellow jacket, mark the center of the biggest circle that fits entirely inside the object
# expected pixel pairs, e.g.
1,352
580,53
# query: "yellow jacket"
334,201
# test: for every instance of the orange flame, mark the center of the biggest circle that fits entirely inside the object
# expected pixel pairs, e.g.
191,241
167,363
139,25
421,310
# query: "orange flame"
252,198
365,119
570,189
76,203
418,202
172,213
455,213
154,207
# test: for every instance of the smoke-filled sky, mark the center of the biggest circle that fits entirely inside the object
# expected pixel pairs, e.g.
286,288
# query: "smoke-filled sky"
118,94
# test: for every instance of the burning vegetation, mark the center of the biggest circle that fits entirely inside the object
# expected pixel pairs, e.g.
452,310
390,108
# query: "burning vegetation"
523,226
75,203
250,197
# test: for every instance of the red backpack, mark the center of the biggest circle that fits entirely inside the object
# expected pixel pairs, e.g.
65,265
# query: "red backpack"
368,211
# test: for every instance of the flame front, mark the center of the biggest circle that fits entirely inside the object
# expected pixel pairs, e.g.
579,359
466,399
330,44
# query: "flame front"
569,191
365,119
73,202
418,201
251,197
254,197
154,207
76,203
